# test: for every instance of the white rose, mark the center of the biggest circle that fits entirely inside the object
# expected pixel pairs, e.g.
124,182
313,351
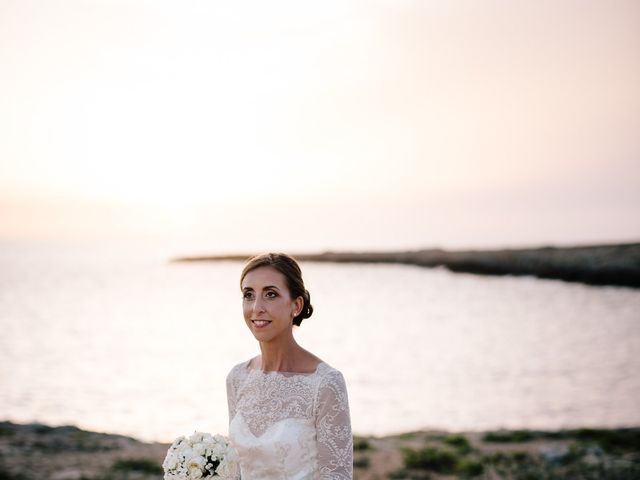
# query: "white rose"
228,469
194,472
219,446
196,461
176,443
170,463
199,449
187,452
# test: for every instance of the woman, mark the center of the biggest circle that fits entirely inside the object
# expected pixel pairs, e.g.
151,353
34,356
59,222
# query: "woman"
288,410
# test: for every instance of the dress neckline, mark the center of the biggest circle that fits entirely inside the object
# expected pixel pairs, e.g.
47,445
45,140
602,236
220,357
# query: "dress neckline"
281,372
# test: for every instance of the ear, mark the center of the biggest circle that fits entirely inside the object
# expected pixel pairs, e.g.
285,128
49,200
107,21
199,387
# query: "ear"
298,303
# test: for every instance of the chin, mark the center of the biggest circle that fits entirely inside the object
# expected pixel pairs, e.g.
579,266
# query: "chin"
261,336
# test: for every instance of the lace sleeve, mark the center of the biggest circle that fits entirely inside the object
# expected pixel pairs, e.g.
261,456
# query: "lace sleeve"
231,396
333,428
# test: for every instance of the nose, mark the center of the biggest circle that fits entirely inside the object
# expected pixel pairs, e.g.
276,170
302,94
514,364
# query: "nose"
258,305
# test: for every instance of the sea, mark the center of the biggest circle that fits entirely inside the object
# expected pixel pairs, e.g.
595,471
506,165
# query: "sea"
120,339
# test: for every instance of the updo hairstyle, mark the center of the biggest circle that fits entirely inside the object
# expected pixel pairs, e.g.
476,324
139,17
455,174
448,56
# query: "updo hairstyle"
288,267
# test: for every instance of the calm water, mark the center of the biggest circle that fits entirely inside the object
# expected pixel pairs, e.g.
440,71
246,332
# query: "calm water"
120,340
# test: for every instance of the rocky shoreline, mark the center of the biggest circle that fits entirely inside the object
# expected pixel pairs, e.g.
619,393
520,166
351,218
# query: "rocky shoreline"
37,451
617,264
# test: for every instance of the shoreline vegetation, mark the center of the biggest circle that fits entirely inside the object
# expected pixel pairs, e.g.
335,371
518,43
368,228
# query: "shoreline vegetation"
38,451
615,264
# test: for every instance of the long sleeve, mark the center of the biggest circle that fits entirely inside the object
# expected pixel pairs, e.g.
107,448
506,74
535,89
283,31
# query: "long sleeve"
333,429
231,395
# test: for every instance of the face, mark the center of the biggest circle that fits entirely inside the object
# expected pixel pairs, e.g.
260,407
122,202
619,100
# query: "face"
267,304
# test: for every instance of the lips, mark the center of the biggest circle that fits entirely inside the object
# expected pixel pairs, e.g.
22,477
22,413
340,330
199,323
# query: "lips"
261,323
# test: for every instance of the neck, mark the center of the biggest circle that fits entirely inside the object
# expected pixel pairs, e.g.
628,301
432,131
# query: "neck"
280,355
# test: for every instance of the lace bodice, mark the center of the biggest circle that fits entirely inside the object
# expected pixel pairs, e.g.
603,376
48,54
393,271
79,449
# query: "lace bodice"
290,425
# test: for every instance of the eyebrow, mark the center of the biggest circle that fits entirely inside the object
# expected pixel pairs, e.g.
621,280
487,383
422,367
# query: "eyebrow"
264,288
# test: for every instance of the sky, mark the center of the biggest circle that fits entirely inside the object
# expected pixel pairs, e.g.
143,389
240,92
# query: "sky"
236,126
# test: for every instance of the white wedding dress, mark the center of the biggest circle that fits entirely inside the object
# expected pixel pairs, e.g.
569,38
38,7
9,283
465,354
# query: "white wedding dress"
290,425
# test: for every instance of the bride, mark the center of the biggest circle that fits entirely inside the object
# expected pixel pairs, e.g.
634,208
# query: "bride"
288,410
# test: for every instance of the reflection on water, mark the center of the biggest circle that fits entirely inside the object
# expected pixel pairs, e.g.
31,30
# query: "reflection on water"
122,341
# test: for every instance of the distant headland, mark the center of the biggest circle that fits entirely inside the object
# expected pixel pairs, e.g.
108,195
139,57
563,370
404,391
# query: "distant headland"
614,264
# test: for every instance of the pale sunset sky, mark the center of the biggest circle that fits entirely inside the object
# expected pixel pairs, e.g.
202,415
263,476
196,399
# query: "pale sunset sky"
235,126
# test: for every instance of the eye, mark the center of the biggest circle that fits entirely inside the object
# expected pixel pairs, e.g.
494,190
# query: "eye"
271,294
248,295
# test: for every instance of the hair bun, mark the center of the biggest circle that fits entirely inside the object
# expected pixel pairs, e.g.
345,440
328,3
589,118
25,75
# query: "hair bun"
307,309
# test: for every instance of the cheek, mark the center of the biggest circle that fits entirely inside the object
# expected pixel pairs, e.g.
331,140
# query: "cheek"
286,309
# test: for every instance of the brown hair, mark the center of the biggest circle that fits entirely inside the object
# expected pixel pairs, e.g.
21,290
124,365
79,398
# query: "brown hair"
287,266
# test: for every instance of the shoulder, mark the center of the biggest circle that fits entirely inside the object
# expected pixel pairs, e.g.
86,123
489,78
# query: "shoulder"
237,370
326,370
330,377
331,394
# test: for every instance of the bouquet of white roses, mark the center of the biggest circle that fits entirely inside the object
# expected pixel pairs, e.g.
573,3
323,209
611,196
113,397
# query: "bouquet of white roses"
201,455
